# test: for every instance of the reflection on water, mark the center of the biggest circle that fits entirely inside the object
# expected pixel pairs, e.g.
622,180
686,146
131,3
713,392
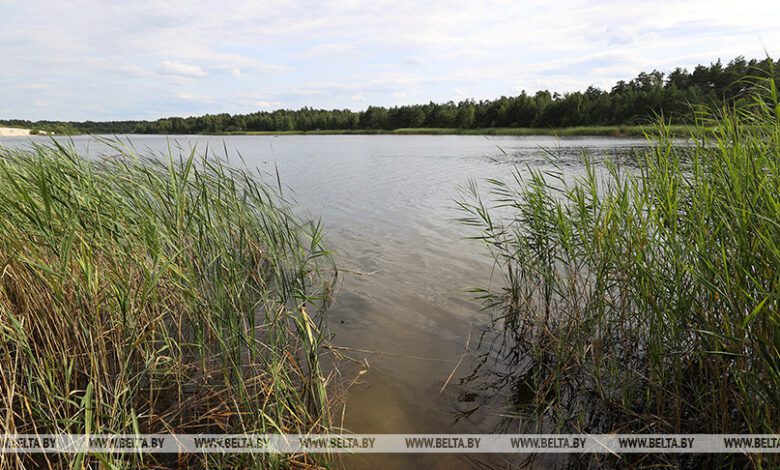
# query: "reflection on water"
402,312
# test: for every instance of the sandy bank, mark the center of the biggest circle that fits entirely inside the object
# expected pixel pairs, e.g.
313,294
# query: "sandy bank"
13,132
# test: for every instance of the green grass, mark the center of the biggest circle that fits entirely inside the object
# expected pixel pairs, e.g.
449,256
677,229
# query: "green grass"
612,131
646,299
156,294
607,131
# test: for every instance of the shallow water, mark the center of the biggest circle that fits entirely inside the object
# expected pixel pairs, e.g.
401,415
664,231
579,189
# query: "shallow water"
401,312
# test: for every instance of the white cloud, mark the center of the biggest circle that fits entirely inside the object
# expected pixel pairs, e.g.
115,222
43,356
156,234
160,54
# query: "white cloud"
268,104
333,51
178,69
187,96
103,60
413,60
34,86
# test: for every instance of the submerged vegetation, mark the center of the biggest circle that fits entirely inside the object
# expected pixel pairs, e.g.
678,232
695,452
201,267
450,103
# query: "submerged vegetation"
646,299
628,103
156,294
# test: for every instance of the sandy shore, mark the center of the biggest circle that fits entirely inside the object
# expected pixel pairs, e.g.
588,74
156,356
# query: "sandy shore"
13,132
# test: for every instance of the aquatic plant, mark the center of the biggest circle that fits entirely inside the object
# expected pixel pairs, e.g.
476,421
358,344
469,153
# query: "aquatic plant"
156,294
645,299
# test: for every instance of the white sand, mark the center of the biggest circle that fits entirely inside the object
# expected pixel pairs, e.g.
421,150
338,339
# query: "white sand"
13,132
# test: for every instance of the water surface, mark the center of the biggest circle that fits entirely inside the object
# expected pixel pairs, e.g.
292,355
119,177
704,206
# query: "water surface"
401,314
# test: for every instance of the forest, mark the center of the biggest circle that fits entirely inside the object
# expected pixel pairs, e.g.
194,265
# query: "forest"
672,95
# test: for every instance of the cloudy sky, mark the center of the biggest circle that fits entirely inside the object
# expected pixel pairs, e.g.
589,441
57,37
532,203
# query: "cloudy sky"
144,59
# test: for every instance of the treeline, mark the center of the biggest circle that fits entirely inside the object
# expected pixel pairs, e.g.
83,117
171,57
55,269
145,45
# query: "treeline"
633,102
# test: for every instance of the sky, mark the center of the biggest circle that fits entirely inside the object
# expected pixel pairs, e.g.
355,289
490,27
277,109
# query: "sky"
147,59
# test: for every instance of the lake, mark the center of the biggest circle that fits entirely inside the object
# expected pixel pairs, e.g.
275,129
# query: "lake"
402,315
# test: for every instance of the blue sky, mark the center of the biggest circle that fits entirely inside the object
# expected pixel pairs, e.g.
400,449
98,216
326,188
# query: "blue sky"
145,59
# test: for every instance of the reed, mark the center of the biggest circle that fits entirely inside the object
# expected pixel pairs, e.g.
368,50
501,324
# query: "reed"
645,299
156,294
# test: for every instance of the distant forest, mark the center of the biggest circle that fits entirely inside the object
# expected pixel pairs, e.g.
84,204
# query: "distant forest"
636,101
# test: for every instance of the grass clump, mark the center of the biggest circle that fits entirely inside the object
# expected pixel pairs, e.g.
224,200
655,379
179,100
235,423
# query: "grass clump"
607,131
646,300
576,131
156,294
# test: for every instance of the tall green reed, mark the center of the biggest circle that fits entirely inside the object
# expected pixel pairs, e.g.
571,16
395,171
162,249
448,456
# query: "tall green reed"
156,294
646,299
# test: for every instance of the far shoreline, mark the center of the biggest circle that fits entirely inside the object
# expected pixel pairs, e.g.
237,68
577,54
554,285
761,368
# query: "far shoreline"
628,131
585,131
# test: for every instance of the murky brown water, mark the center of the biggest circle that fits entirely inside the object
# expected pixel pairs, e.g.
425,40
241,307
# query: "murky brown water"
401,313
